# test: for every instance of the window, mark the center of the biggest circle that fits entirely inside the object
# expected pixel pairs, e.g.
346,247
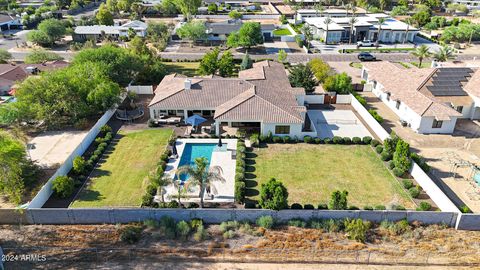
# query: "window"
398,104
388,96
459,109
282,129
437,124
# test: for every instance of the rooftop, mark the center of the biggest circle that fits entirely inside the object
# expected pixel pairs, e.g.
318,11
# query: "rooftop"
110,29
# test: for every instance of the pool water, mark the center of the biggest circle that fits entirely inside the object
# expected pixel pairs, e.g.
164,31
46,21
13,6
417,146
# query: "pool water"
196,150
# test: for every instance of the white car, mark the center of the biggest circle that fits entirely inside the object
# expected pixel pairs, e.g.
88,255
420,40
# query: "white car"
366,43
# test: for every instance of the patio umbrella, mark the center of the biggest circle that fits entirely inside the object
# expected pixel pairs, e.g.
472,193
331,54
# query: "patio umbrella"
219,142
195,120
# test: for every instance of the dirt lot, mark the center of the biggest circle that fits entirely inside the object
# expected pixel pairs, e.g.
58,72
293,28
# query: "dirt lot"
86,246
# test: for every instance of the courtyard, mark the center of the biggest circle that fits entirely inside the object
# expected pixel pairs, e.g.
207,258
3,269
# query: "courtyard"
120,178
312,172
343,123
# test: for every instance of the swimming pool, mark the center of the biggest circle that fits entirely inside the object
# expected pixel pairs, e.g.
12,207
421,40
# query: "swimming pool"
191,151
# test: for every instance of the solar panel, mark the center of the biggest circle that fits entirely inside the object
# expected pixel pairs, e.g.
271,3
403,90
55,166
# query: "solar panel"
448,81
447,90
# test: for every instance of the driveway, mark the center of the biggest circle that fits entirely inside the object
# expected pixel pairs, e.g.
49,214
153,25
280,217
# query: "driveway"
441,152
343,123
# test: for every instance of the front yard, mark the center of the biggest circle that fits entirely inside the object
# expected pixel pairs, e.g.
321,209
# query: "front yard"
312,172
188,69
120,178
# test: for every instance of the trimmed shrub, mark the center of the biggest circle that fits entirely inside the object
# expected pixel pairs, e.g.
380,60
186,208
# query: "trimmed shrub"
347,140
370,208
99,140
105,129
239,191
262,138
266,222
239,177
376,116
131,234
391,165
240,169
367,140
356,140
307,139
398,172
240,162
192,205
98,152
414,192
63,186
385,156
273,195
308,207
398,207
108,137
93,159
79,165
401,156
379,149
374,142
318,140
380,207
407,183
328,141
338,200
183,229
286,139
424,206
353,207
296,206
337,140
147,200
276,139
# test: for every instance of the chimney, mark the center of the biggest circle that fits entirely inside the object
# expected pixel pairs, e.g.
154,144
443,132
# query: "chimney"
188,84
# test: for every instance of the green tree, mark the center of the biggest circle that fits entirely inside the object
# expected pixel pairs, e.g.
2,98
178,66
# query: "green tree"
399,10
5,56
193,30
226,66
339,83
327,22
48,32
282,56
201,176
444,53
209,63
161,181
246,62
234,14
41,56
401,156
139,47
320,69
212,8
188,7
307,33
421,53
63,186
302,76
104,16
12,155
338,200
422,17
273,195
158,34
249,35
352,21
167,7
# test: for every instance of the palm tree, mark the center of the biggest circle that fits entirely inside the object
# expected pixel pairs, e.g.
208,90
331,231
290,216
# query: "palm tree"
307,33
445,53
180,188
421,53
352,21
327,21
380,22
161,182
318,8
408,21
201,177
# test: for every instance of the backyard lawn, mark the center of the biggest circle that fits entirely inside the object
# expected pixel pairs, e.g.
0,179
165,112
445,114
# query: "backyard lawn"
312,172
120,179
188,69
282,32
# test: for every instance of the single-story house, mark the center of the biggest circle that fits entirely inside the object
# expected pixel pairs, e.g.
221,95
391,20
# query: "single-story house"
429,100
94,32
261,98
221,30
365,27
8,22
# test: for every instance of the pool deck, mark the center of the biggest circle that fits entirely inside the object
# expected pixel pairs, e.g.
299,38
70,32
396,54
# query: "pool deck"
223,159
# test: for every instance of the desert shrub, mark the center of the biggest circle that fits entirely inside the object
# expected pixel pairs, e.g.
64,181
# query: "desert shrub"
379,149
239,191
151,223
131,234
396,228
318,140
229,234
337,140
391,165
353,207
386,156
276,139
63,186
398,172
374,142
407,183
183,229
297,223
308,206
192,205
266,222
322,206
195,223
273,195
167,227
367,207
367,140
79,165
200,234
338,200
229,225
356,140
329,225
424,206
307,139
356,229
380,207
286,139
296,206
347,140
414,192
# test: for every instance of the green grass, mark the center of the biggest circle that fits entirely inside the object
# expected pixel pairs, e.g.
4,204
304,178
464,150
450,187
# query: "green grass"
120,179
282,32
312,172
356,65
425,64
379,50
405,65
186,68
297,27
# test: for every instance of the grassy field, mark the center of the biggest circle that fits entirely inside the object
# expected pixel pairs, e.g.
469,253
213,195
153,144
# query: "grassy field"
312,172
120,179
186,68
379,50
282,32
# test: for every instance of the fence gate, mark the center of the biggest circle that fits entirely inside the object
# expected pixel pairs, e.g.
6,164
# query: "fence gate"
330,99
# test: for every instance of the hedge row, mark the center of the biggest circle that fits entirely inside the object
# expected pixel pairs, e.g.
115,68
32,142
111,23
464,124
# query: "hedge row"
240,172
315,140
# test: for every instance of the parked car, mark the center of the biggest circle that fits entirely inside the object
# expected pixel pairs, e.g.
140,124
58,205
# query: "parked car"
365,43
366,56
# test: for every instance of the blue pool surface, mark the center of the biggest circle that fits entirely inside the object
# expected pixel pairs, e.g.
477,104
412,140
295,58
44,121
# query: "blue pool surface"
196,150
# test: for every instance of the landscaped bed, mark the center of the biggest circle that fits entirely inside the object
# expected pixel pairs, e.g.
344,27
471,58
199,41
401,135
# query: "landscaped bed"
120,178
312,172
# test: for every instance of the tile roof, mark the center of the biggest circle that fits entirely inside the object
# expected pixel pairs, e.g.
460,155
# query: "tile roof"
405,85
473,85
12,73
262,93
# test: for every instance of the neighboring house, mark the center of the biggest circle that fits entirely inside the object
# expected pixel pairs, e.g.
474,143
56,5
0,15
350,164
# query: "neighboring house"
221,30
10,74
302,14
8,22
366,27
471,4
261,99
429,100
95,32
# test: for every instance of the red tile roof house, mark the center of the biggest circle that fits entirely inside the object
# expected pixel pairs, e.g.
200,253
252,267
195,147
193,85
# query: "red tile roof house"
430,100
261,98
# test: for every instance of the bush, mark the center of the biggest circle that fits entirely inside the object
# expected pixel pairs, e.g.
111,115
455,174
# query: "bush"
297,223
380,207
327,141
368,208
296,206
239,191
79,165
379,149
424,206
347,140
376,116
192,205
308,206
240,170
414,192
99,140
338,200
151,223
353,207
367,140
98,152
318,141
105,129
407,183
356,229
337,140
147,200
322,206
174,204
356,140
63,186
151,189
266,222
276,139
200,234
101,148
239,177
398,172
307,139
183,229
228,234
465,209
391,165
286,139
250,205
420,161
93,159
131,234
385,156
401,156
167,227
374,143
108,136
241,163
398,207
273,195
